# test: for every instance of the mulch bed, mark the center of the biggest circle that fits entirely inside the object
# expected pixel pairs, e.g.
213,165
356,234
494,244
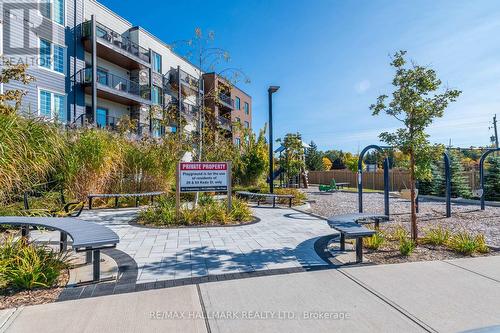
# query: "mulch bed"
12,298
389,254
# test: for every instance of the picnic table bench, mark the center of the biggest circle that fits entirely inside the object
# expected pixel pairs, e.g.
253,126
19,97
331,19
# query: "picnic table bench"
87,237
261,196
124,195
351,226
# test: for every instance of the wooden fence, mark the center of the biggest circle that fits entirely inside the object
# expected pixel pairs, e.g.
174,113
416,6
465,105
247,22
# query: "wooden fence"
399,179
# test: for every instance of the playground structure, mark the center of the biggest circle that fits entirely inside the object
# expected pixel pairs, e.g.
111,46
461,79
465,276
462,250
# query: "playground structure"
447,175
286,179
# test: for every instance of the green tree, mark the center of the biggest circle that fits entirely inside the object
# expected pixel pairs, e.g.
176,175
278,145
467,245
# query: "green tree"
252,162
415,104
314,160
459,182
492,179
292,161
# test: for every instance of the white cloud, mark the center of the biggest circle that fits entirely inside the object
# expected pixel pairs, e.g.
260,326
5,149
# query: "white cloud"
362,86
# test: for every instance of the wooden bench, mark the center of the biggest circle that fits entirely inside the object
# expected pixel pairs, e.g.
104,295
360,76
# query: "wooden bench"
87,237
260,196
351,226
124,195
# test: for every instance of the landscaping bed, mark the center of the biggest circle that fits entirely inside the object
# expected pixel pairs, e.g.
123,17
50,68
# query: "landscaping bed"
30,273
432,213
208,212
11,298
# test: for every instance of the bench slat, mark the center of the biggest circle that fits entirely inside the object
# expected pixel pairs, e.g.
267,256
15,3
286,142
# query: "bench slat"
83,233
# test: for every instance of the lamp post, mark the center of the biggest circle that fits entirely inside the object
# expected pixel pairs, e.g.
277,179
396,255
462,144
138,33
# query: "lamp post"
271,91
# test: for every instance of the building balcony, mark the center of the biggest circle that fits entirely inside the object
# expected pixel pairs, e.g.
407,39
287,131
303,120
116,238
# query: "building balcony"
115,88
112,123
115,48
224,123
189,84
225,100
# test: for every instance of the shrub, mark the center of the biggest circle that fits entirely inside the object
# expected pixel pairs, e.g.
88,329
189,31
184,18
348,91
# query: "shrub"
299,197
209,212
28,266
436,236
406,246
467,243
374,242
240,211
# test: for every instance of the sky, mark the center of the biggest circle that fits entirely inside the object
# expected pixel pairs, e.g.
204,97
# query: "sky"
331,59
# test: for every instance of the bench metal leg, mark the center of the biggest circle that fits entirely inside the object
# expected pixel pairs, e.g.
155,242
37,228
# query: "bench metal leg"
359,249
274,202
290,203
90,203
96,269
377,224
258,202
152,199
25,231
88,256
63,245
137,201
342,242
116,202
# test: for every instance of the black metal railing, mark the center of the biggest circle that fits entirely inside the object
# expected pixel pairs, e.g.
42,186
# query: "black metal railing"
112,37
115,82
226,99
224,122
185,78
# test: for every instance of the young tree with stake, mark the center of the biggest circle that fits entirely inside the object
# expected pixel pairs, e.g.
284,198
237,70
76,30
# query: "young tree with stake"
416,102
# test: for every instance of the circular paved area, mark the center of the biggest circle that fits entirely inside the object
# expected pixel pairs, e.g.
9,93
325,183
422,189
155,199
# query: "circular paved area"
284,238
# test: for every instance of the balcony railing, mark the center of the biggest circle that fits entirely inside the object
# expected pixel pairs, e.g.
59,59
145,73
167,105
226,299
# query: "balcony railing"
112,37
224,122
185,79
115,82
226,100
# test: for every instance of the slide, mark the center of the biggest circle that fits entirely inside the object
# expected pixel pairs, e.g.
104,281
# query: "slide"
276,174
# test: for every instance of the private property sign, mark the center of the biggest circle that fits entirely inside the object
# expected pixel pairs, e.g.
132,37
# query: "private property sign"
204,177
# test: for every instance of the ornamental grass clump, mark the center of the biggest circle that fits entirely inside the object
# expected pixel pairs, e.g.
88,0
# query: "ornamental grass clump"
467,243
436,236
207,212
28,266
374,242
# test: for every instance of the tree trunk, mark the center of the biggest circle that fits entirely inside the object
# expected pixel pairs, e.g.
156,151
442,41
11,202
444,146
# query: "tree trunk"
414,229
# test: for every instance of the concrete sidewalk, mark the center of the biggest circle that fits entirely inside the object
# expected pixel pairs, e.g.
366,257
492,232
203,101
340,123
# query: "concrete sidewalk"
439,296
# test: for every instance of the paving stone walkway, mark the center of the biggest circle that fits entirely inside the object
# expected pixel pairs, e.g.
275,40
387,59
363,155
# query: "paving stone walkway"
284,238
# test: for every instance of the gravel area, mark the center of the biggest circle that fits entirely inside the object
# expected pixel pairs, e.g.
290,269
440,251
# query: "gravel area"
432,213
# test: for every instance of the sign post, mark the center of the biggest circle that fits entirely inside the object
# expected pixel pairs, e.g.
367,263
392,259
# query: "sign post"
203,177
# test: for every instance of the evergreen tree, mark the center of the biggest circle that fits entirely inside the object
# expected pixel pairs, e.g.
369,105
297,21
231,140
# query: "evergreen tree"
314,158
492,179
459,182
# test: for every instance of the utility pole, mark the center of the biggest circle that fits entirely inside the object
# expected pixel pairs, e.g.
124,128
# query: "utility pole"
495,128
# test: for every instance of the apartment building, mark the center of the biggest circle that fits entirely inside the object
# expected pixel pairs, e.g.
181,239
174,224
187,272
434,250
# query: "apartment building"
228,103
94,67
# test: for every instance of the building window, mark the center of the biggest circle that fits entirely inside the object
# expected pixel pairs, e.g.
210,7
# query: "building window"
156,62
247,109
237,142
237,103
156,95
51,56
247,124
52,106
101,117
53,10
